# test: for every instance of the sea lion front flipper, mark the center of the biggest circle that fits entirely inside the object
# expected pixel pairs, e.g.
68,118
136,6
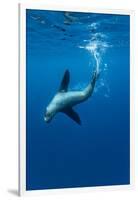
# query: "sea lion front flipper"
72,114
65,82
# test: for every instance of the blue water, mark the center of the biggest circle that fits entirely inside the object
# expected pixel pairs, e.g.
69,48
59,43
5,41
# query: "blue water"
63,154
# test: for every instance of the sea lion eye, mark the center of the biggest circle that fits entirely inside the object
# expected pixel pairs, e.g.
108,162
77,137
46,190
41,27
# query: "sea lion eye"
47,114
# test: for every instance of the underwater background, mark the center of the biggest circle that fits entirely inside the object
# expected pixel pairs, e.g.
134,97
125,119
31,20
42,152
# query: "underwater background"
63,154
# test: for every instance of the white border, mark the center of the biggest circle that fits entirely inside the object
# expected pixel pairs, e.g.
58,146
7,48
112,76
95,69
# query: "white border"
22,96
